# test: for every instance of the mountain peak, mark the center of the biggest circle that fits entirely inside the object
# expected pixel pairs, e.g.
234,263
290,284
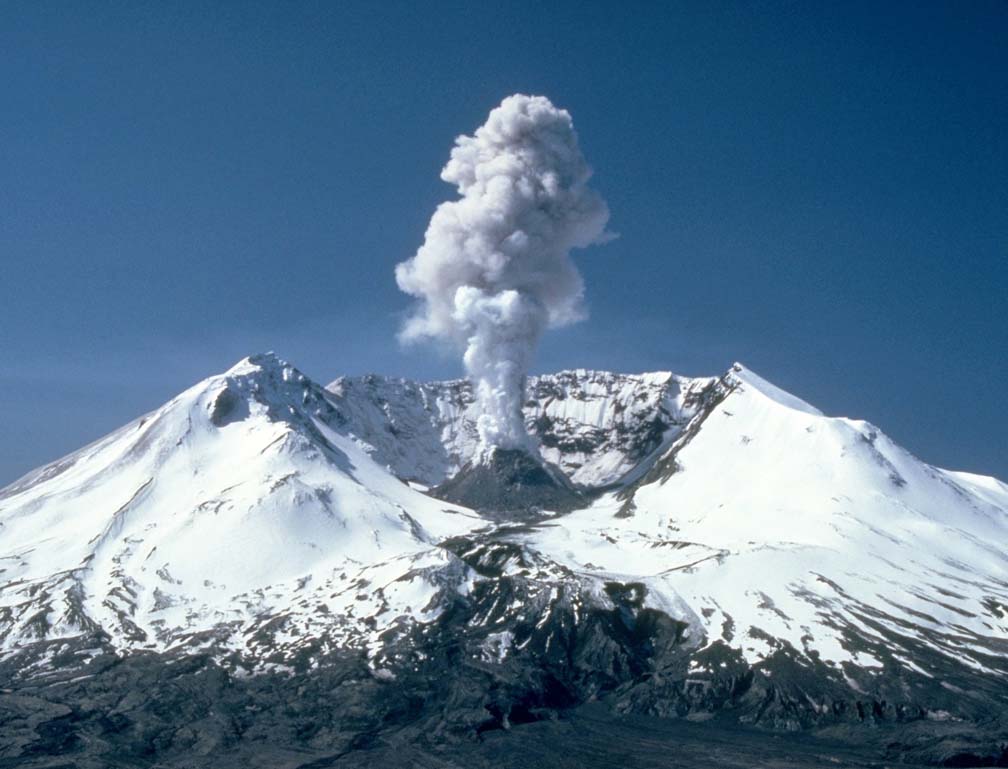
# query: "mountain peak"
264,362
263,382
746,376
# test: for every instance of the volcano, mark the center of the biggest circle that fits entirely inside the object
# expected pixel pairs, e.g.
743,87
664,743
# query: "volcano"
268,572
509,483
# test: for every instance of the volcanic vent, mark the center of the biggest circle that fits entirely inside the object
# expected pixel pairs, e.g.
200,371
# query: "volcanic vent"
509,481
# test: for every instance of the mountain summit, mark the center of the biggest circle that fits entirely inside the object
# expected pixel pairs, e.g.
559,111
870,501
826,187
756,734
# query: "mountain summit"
710,547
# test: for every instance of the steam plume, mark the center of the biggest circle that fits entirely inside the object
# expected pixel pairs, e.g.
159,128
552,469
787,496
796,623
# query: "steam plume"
494,270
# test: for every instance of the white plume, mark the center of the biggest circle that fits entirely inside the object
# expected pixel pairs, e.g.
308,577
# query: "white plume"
494,270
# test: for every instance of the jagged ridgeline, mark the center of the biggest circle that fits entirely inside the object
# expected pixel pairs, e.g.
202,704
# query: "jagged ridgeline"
265,571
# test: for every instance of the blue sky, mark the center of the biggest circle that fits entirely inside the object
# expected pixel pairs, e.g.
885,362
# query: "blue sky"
820,192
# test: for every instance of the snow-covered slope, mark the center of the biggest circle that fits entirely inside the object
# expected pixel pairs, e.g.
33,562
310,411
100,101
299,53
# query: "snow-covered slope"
234,505
780,526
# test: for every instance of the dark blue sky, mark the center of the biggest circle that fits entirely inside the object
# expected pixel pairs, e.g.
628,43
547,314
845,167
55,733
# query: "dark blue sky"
817,190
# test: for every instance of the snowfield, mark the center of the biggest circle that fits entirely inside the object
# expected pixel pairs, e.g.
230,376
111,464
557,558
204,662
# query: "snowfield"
777,524
230,506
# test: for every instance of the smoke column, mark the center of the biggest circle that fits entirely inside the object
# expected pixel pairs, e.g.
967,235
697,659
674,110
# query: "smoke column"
494,270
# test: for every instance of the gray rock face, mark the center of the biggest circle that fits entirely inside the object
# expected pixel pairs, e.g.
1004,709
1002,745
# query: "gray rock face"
596,427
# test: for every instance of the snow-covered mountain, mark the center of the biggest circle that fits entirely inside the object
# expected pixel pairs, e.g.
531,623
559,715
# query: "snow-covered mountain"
235,507
858,544
788,531
736,549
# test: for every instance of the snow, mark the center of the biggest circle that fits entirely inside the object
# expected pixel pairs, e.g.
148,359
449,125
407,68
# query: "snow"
759,384
175,521
788,522
984,486
261,505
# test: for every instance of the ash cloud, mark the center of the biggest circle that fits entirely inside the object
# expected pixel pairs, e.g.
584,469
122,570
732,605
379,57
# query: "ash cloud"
494,271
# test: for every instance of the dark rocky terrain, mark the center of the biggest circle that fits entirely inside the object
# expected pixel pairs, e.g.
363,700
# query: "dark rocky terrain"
588,688
188,711
510,482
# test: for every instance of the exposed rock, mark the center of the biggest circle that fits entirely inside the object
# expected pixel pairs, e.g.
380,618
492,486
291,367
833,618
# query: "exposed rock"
510,481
